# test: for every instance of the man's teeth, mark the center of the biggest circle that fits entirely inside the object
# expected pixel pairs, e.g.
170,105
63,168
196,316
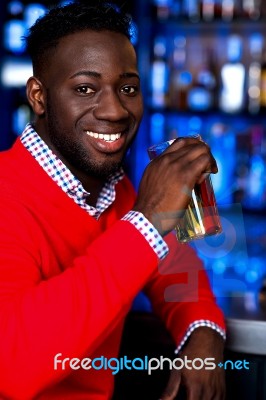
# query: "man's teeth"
104,136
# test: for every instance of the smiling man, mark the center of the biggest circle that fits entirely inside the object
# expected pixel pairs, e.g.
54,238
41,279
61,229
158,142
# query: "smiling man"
97,90
76,243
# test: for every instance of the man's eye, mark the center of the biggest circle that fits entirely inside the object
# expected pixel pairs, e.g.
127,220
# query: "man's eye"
130,89
85,90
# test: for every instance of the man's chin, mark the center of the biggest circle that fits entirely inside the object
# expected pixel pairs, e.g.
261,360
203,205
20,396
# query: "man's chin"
102,171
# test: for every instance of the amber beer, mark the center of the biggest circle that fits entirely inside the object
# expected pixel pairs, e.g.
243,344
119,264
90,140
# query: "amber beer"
201,217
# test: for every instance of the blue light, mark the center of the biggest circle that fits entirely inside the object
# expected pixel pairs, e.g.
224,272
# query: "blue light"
199,99
33,12
65,3
185,78
15,72
223,142
240,265
218,267
195,126
21,117
258,265
15,7
251,276
157,127
14,31
134,33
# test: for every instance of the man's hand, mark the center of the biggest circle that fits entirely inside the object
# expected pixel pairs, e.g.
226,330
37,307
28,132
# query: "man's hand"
200,384
166,185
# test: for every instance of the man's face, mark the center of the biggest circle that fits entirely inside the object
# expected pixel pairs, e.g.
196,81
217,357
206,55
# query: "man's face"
93,104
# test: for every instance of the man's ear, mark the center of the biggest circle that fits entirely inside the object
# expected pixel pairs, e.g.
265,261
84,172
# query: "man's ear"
36,95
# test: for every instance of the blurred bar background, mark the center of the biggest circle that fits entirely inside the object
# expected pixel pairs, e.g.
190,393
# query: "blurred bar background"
203,70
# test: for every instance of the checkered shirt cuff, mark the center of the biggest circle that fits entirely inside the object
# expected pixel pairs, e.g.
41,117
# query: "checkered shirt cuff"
150,233
197,324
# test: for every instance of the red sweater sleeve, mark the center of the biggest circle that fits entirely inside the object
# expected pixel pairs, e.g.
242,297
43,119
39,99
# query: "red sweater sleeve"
69,313
180,291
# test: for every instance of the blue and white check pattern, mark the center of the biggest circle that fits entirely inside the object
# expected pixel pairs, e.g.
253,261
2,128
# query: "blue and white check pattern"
148,231
197,324
64,178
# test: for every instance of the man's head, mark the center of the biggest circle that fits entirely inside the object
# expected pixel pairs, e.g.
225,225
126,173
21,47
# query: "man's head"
85,91
96,15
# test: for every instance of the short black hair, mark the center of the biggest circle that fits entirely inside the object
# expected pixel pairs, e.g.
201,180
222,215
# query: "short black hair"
74,17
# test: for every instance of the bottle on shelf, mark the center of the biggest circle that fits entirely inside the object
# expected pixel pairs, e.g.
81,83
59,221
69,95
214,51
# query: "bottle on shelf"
159,73
252,9
233,77
191,9
208,10
162,8
254,73
201,96
227,10
180,77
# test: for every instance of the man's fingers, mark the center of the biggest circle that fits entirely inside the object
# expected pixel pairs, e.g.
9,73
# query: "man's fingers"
172,387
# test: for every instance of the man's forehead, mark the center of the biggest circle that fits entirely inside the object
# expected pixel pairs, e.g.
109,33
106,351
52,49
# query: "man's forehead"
92,38
93,45
97,52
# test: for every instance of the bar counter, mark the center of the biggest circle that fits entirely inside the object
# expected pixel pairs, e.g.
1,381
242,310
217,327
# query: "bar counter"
246,340
246,323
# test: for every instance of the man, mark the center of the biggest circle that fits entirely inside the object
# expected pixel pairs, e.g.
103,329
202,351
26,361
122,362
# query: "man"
76,244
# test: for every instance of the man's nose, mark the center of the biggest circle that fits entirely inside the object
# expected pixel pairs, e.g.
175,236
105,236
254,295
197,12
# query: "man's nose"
110,107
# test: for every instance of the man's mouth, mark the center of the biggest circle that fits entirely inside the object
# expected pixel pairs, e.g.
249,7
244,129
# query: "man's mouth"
104,136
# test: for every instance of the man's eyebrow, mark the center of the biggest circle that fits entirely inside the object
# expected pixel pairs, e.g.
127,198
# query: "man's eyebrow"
130,75
95,74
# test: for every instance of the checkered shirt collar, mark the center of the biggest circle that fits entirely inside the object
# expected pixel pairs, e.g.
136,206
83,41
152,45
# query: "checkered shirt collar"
64,178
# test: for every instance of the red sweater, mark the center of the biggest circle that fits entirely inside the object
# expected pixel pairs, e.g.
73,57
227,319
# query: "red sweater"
68,280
